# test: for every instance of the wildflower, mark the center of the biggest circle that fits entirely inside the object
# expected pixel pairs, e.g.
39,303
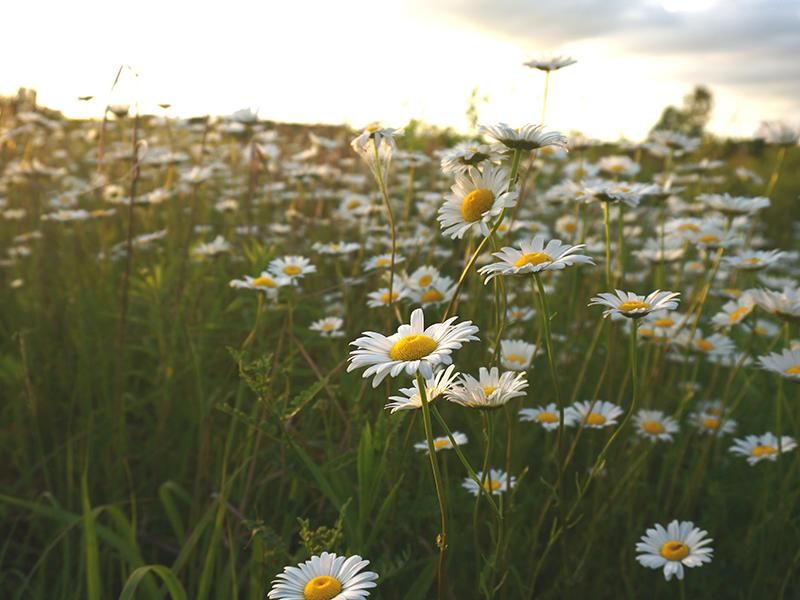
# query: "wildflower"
376,145
628,304
292,267
218,246
711,417
516,355
435,386
733,205
618,165
324,577
527,137
594,414
336,248
461,157
382,261
680,544
785,305
552,63
547,416
753,261
534,256
490,390
413,348
477,198
382,297
328,327
786,364
716,344
733,313
496,482
440,290
762,447
443,443
265,282
654,425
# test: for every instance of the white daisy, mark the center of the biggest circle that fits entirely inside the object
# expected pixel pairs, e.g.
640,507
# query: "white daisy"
292,268
435,386
413,348
534,256
324,577
214,248
733,205
551,63
654,425
264,282
680,544
527,137
382,261
753,260
490,390
443,443
516,355
466,154
382,297
477,198
594,414
547,416
784,305
762,447
496,482
328,327
711,417
733,313
628,304
440,290
786,364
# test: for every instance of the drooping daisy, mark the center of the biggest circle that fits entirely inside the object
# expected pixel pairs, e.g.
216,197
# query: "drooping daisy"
490,390
441,382
655,425
328,327
292,268
376,146
527,137
443,443
679,545
496,482
534,256
762,447
324,577
594,414
478,197
413,348
547,416
633,306
786,364
785,305
516,355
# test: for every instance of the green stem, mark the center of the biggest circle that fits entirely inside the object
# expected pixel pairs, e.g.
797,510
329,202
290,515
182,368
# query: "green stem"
608,245
390,214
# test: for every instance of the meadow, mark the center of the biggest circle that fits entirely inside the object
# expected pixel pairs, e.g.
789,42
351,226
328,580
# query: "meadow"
190,402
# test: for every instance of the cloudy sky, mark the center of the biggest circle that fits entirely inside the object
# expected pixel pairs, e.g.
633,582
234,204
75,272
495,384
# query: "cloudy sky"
358,61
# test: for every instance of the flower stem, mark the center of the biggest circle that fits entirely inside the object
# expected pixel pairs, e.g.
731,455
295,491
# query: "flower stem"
390,214
608,245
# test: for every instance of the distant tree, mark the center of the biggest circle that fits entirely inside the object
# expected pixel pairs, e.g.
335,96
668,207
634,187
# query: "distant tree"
475,99
692,118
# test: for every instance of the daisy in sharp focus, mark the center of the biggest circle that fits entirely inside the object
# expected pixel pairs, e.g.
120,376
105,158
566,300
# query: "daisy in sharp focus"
786,364
633,306
496,482
534,256
655,425
490,390
674,547
478,197
527,137
547,416
324,577
762,447
594,414
441,382
413,348
443,443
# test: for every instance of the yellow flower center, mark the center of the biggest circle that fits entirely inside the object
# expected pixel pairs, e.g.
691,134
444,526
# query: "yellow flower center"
645,332
264,281
547,417
763,451
653,427
425,280
632,305
739,314
594,418
674,550
386,297
533,258
488,390
322,587
292,270
439,444
328,327
491,485
710,422
704,345
412,347
383,262
688,227
570,227
353,204
476,203
795,370
431,295
709,238
663,323
752,261
516,358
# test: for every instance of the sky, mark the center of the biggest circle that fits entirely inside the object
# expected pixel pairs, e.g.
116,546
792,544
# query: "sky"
359,61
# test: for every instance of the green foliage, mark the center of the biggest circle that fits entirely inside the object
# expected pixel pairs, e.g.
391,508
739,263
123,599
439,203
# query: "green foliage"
692,117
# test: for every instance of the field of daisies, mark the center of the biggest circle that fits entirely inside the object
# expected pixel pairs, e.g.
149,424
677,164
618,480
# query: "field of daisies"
245,360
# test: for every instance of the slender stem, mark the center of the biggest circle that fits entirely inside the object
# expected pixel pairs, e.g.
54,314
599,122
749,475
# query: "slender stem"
390,215
608,245
621,245
441,539
544,99
773,180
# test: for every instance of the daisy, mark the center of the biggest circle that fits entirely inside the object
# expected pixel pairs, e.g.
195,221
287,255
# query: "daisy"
413,348
443,443
785,305
440,290
490,390
292,267
618,165
519,314
328,327
264,282
422,277
527,137
716,344
733,205
460,157
382,297
215,248
435,386
594,414
516,355
553,63
778,133
336,248
382,261
534,256
733,313
654,425
762,447
547,416
376,145
496,482
628,304
711,417
680,544
324,577
786,364
754,260
477,198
